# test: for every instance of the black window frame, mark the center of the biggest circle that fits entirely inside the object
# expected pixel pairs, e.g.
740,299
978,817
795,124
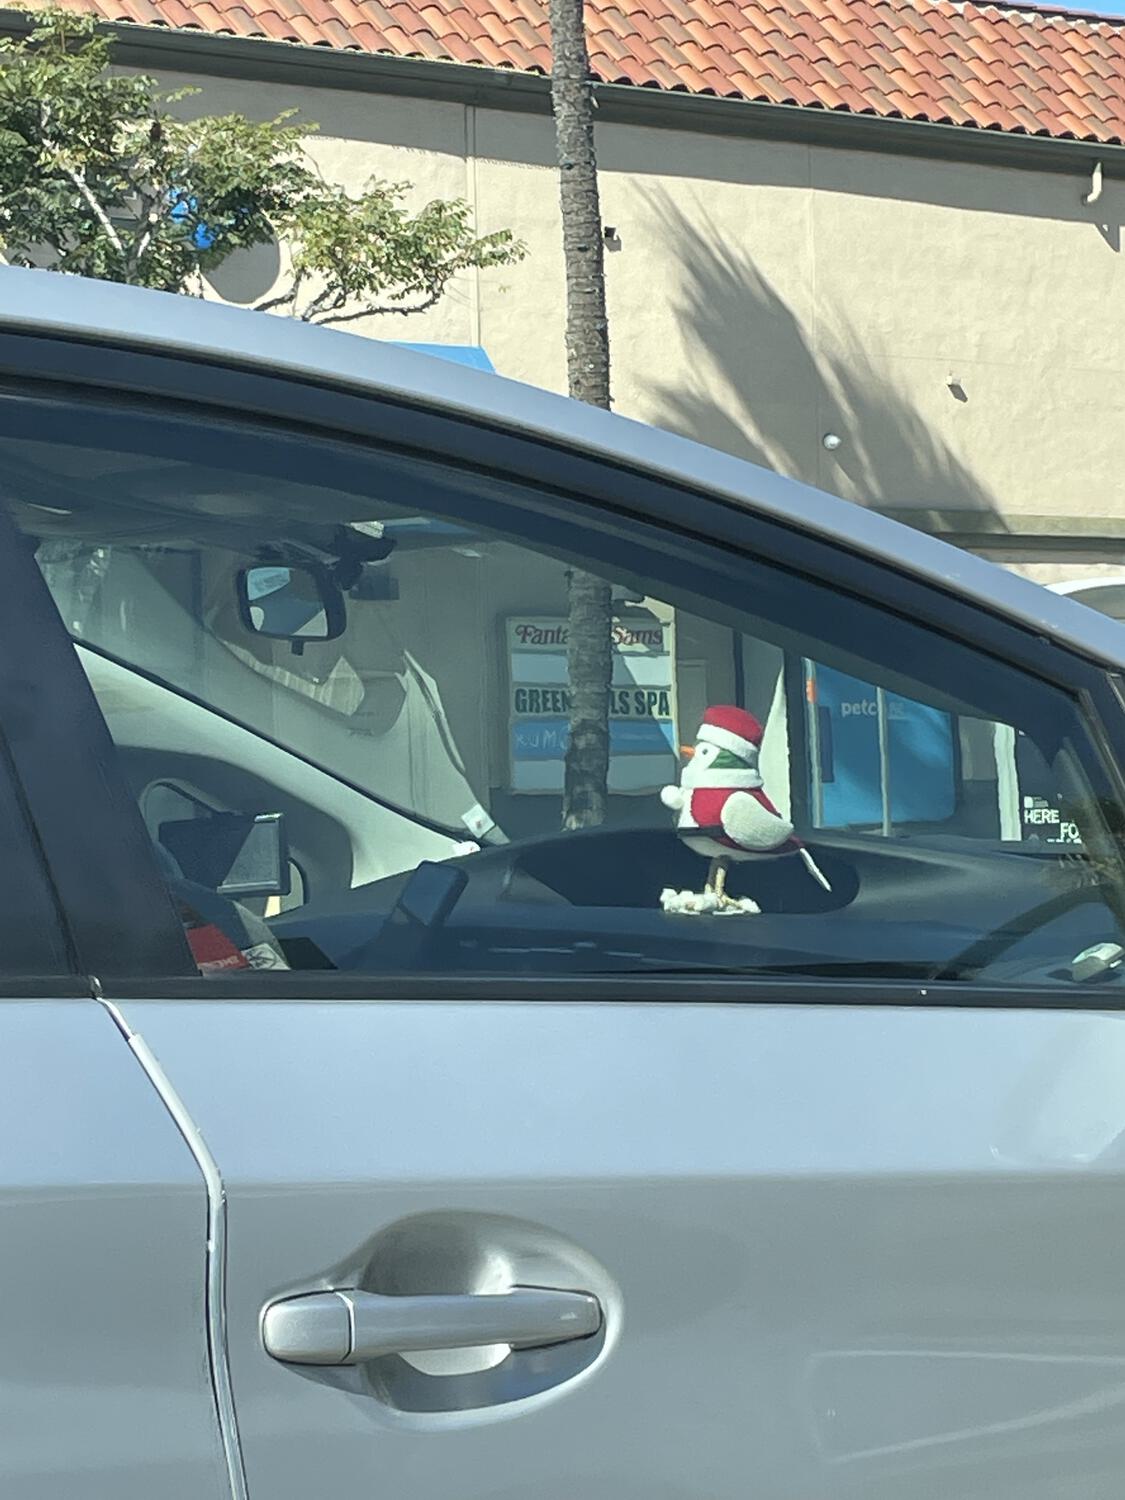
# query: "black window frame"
155,962
76,805
47,781
38,957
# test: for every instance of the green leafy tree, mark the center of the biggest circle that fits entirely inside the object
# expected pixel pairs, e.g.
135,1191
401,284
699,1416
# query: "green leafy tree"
99,176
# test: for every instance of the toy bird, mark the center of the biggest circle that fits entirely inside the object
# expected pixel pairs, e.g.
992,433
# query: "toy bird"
720,793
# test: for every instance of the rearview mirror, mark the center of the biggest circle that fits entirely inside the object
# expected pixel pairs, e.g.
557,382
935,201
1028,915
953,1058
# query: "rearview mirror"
290,603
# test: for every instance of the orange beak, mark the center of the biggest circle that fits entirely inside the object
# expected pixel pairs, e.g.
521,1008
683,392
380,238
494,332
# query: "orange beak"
687,751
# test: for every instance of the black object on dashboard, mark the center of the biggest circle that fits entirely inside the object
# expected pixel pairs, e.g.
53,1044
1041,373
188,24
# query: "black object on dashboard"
237,854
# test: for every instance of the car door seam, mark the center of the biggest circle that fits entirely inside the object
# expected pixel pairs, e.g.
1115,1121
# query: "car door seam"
215,1284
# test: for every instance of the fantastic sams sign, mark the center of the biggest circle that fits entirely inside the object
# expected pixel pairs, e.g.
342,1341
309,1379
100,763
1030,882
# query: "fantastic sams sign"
641,710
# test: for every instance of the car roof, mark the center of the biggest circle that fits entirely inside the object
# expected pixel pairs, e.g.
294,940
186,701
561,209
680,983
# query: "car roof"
56,304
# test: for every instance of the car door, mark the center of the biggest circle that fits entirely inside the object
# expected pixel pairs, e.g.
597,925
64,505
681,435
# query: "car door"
105,1375
533,1187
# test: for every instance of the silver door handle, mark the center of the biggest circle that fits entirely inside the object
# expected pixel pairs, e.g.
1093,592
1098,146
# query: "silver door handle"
347,1327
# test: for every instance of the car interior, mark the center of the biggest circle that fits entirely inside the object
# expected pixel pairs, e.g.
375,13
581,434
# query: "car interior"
347,882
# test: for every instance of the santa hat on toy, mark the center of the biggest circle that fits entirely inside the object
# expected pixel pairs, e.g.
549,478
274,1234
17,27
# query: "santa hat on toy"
732,729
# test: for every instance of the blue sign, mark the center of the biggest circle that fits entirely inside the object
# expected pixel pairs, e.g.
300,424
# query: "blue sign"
185,212
458,354
920,746
546,739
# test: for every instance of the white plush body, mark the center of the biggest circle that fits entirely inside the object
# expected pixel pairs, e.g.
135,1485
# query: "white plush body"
730,800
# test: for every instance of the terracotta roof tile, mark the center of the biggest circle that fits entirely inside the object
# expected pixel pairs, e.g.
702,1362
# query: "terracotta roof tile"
491,52
140,11
522,60
306,30
460,50
497,31
735,16
662,76
681,9
373,39
827,73
205,16
1069,126
800,94
828,96
995,67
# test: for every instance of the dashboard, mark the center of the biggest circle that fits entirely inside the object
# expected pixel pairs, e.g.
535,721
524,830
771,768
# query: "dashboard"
589,902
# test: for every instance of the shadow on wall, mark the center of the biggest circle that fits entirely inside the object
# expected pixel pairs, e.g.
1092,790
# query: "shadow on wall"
753,383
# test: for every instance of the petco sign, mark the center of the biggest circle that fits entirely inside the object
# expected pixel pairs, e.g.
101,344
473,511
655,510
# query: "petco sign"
921,755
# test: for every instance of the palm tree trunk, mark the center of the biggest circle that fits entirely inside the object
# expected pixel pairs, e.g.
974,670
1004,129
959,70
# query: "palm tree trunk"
589,656
589,661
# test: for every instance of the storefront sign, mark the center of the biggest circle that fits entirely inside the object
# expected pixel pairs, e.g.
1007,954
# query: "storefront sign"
642,718
920,784
1044,823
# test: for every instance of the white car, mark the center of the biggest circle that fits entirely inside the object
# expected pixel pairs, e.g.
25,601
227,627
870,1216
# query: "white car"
367,1134
1106,594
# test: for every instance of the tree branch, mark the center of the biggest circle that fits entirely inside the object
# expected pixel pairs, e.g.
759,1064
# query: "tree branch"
323,320
99,213
327,300
283,299
144,239
79,181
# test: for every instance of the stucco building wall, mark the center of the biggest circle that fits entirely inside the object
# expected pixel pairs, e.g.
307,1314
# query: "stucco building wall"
766,293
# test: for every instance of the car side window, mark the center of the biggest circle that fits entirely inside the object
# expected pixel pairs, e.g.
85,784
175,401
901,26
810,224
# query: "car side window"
340,682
